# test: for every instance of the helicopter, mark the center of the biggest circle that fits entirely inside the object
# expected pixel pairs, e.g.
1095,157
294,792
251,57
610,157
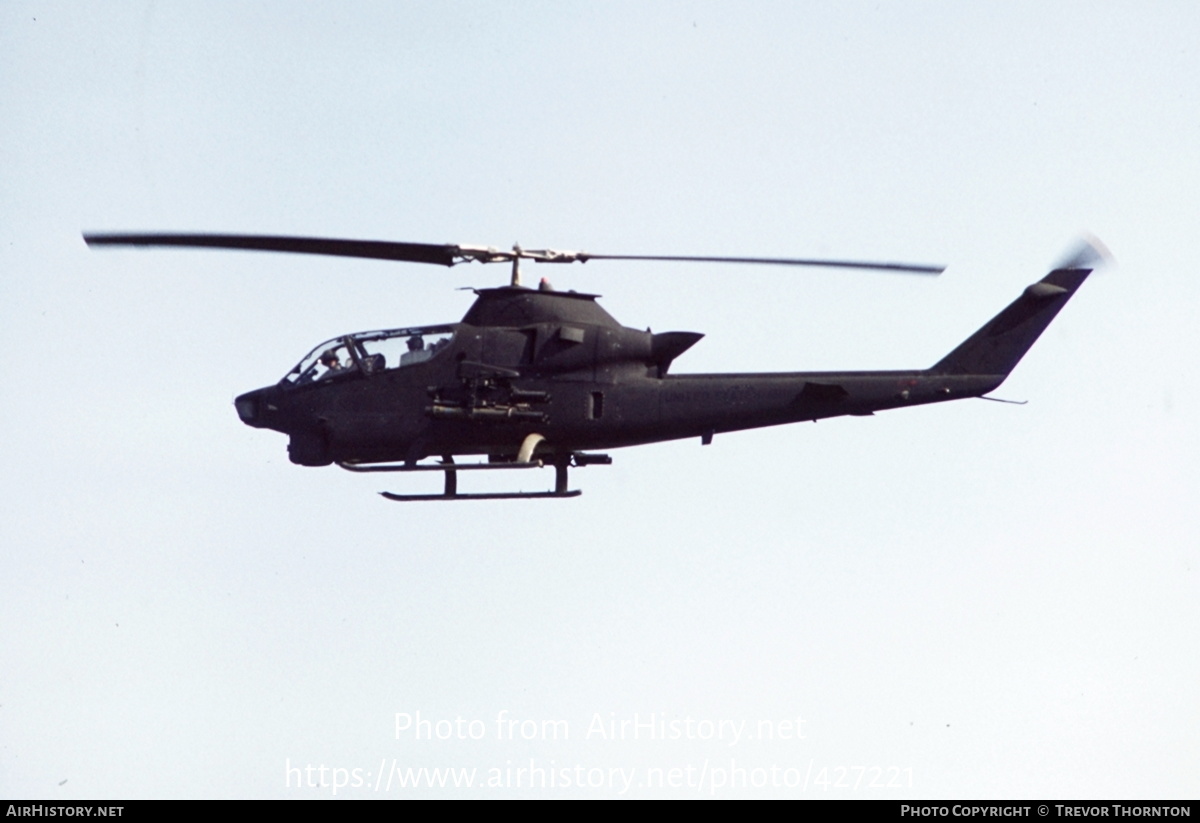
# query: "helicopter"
535,377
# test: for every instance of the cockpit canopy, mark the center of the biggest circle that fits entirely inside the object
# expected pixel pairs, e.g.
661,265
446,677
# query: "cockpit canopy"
369,352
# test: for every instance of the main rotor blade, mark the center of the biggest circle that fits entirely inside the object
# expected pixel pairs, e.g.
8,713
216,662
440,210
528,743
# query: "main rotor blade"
777,261
442,255
448,254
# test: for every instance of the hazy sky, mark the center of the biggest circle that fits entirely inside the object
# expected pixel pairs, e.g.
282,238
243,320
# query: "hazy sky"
969,600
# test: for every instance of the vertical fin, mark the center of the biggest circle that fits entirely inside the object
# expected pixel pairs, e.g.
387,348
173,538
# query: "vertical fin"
997,347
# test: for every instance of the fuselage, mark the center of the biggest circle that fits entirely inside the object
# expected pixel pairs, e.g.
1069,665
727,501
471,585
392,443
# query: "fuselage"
555,364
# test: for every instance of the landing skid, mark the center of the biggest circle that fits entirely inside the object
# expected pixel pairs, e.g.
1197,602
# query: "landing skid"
451,470
411,498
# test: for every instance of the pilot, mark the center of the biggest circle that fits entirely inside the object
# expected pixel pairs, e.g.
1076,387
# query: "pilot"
329,360
416,351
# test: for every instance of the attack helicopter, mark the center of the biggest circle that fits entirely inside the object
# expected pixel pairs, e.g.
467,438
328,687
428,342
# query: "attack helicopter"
534,377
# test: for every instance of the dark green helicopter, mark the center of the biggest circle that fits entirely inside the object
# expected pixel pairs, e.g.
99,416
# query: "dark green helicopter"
538,377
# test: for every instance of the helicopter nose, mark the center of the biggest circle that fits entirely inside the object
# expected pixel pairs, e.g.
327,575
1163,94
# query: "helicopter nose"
255,407
247,407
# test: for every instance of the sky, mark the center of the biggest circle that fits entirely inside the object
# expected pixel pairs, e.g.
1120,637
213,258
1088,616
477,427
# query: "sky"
971,600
